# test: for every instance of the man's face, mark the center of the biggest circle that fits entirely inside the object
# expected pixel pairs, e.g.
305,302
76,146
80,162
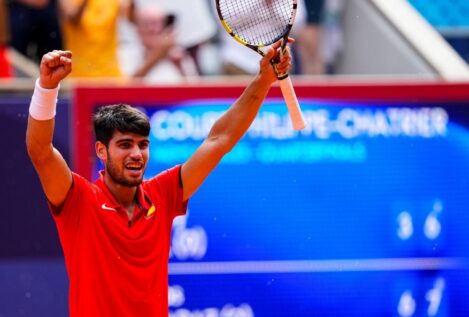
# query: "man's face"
150,25
126,158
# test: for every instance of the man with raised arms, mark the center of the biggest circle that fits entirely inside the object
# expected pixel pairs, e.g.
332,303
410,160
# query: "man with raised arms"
115,232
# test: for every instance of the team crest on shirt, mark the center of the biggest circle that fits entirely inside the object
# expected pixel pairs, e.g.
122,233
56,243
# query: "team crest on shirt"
150,211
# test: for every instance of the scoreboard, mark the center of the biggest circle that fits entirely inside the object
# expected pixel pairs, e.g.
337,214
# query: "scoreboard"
363,213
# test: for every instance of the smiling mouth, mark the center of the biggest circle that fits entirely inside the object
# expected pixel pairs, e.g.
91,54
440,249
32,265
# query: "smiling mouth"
134,166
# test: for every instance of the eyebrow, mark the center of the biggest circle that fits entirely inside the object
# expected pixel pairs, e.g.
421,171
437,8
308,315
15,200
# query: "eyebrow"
125,140
132,140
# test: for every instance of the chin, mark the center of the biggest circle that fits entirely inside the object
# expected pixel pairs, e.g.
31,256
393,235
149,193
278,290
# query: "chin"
129,182
134,182
126,179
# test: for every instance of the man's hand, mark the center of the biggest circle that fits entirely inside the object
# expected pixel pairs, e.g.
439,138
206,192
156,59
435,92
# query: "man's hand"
267,70
55,66
160,45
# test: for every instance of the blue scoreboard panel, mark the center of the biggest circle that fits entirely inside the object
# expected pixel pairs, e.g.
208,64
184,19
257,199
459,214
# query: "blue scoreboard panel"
363,213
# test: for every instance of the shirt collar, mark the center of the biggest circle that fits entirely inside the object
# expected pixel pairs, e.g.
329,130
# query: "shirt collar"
142,199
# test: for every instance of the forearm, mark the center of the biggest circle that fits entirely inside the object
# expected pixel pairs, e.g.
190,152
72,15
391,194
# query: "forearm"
40,129
149,62
234,123
226,131
53,171
39,136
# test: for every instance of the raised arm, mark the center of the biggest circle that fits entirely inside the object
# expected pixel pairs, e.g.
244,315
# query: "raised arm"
232,125
54,174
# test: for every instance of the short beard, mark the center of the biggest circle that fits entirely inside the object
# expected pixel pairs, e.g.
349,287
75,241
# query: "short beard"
117,179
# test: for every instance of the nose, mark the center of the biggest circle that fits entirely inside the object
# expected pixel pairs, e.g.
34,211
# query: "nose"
136,153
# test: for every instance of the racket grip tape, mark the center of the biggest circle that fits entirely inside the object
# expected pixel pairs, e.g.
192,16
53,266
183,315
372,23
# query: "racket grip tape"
294,109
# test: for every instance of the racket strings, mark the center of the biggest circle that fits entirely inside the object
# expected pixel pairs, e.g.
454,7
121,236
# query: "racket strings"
257,22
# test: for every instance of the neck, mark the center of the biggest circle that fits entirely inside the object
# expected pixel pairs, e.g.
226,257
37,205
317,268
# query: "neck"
124,195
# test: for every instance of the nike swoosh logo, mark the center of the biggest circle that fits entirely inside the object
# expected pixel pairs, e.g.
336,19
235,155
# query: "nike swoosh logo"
107,208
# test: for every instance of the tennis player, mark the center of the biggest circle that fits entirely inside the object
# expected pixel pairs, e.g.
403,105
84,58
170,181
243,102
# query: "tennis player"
115,232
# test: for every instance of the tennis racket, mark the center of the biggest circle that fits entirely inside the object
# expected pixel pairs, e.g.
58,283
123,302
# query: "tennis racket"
258,24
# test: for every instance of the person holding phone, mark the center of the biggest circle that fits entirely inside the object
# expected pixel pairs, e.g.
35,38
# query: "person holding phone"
151,51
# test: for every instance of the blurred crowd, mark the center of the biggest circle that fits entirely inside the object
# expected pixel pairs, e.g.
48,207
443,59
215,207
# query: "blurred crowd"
156,40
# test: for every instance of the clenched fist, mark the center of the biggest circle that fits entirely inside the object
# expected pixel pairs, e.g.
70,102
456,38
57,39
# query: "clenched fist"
55,66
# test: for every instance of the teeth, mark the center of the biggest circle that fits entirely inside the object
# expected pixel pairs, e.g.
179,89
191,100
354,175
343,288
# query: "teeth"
134,166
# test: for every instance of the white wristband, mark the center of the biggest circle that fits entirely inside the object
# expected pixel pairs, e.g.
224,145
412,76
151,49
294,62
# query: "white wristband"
43,102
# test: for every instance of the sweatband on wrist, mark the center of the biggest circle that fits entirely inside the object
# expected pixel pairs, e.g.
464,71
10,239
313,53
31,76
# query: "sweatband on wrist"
43,102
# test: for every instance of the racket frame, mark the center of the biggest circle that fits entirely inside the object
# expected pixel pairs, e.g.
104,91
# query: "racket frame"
257,47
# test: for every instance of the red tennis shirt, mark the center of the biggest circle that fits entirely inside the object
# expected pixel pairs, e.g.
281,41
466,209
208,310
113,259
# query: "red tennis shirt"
118,267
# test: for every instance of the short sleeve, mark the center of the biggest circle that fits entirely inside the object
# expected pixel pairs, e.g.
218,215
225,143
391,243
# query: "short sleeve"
168,187
67,216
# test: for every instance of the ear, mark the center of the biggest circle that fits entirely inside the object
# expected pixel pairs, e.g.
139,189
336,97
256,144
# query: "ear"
101,151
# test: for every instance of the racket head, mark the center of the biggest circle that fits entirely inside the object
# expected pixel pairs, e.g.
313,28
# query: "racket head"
257,23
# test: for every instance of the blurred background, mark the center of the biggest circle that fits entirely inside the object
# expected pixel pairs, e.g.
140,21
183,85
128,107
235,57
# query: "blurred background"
363,213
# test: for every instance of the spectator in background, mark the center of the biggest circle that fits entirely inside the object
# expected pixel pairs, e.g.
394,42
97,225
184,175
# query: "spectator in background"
308,45
34,27
5,68
332,39
148,47
195,26
90,32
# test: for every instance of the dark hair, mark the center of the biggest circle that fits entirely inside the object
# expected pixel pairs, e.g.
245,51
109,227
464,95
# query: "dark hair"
120,117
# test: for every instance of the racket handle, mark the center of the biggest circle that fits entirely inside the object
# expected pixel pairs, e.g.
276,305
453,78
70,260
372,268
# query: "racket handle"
294,110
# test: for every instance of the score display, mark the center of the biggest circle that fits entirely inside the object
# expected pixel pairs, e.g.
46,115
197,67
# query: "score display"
363,213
